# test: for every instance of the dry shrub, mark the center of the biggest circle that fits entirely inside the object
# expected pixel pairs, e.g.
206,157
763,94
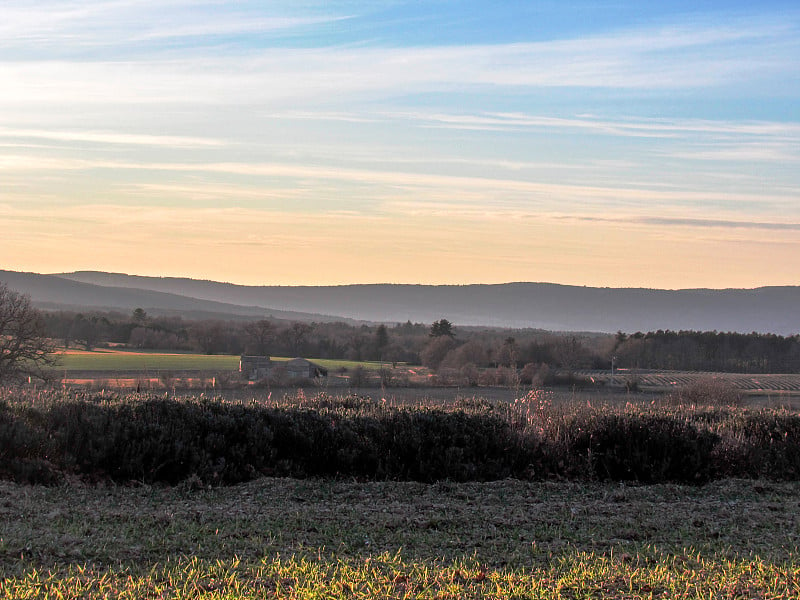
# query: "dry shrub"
278,376
359,377
707,391
536,375
386,376
500,376
534,411
470,375
447,376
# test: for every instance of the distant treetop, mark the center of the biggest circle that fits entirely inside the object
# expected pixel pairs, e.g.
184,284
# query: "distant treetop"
441,328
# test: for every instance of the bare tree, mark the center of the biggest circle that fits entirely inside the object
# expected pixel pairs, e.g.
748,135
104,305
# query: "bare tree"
261,335
507,353
470,353
435,351
210,336
570,354
87,330
297,334
24,350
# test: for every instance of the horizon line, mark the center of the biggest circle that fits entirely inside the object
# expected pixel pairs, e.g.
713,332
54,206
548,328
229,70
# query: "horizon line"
385,283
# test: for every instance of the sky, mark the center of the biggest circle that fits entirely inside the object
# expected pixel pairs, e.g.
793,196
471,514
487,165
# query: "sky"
604,143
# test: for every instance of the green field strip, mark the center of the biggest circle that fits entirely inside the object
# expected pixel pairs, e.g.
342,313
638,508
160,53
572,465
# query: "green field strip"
119,361
146,361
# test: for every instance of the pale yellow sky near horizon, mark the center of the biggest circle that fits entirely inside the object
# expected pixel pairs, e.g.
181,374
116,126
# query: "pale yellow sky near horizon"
340,249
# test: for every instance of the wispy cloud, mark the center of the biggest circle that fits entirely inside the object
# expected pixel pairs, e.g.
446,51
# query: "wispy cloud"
111,137
63,25
746,151
451,184
211,191
654,127
708,56
770,226
690,222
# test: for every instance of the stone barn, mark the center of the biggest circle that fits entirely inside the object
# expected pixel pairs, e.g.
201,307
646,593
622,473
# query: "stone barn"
300,368
255,367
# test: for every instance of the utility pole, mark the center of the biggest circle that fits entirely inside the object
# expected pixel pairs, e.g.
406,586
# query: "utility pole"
613,360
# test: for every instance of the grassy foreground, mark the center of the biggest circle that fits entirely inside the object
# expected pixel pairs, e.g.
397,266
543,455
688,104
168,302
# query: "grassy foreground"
284,538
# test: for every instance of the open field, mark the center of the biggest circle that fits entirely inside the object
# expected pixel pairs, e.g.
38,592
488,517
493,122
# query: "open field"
283,538
669,380
152,370
558,396
130,360
128,367
124,360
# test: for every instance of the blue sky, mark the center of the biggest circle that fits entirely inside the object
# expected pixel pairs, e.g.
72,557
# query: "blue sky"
591,143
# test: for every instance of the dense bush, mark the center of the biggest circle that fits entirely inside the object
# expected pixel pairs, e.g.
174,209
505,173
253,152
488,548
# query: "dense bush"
23,447
644,448
52,435
758,443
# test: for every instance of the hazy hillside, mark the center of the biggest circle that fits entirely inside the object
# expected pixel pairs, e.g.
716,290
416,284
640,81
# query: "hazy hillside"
541,305
56,293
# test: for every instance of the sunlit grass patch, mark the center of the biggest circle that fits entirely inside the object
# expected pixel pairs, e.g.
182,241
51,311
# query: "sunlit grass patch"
649,574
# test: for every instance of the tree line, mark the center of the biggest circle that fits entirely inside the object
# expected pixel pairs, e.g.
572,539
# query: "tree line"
416,343
709,351
460,354
440,345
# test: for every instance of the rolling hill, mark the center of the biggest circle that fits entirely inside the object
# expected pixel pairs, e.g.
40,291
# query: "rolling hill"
540,305
51,292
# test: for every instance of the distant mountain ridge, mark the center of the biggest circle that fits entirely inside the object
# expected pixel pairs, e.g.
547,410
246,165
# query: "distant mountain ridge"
52,292
517,305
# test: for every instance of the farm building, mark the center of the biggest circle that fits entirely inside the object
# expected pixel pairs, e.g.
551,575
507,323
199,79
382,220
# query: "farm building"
298,368
259,367
254,367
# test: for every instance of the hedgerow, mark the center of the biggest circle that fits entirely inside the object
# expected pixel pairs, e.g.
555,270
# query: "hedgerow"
47,436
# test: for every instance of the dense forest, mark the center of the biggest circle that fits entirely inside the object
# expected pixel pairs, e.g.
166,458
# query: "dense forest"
440,346
710,351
